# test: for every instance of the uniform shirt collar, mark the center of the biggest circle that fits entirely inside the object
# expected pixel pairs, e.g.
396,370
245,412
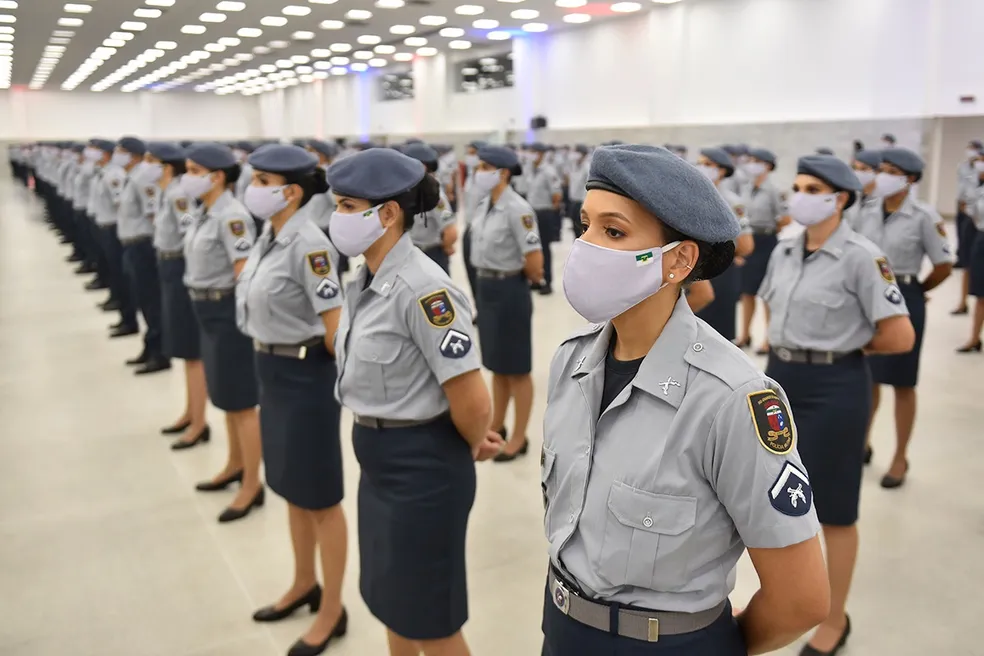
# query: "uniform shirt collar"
289,229
907,208
835,242
382,282
221,202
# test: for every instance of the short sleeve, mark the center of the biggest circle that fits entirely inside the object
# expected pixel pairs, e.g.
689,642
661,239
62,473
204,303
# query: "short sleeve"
524,227
319,276
556,184
765,288
115,184
183,207
876,288
440,324
753,466
238,234
934,239
446,216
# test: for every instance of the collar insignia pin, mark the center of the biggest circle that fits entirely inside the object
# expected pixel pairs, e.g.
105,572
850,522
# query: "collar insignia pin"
579,363
667,384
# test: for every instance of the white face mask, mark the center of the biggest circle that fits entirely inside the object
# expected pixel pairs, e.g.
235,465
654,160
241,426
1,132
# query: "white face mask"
972,154
888,184
352,234
810,209
121,159
196,186
979,166
630,278
712,173
754,169
486,181
92,154
887,144
151,172
264,202
866,177
471,161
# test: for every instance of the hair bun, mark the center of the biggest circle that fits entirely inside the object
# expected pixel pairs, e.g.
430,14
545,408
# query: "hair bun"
713,261
320,185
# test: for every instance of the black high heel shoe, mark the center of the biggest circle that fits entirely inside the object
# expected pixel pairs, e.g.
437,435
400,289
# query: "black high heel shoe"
889,482
869,453
973,348
813,651
507,457
302,648
176,428
218,486
201,438
270,613
233,514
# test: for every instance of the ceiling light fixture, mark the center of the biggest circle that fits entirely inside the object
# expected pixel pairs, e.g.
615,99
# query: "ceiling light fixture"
77,9
273,21
339,61
403,57
331,25
359,67
160,3
498,36
577,18
384,50
390,4
363,54
460,45
64,33
626,7
148,13
321,53
415,41
339,70
209,17
215,47
535,27
125,36
279,44
358,14
249,32
64,22
427,52
302,35
525,14
296,10
340,47
485,24
369,39
452,32
377,63
230,41
244,57
8,4
402,29
229,5
261,50
433,21
571,4
166,45
469,10
193,29
133,26
300,59
114,43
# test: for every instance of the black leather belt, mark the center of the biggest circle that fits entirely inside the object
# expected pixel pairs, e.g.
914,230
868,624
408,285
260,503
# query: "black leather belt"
497,275
295,351
638,624
376,422
210,294
907,279
135,240
763,231
170,255
806,356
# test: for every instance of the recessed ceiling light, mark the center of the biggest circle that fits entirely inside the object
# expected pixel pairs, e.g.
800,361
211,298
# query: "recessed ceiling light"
321,53
215,47
434,21
148,13
331,25
427,52
359,67
229,41
209,17
369,39
415,41
571,4
284,63
403,56
230,5
231,62
363,54
273,21
193,29
322,65
54,39
279,44
8,4
384,50
160,3
525,14
469,10
452,32
125,36
626,7
358,14
78,9
485,24
296,10
64,33
403,29
304,70
390,4
268,68
64,22
460,45
302,35
666,2
114,43
377,63
339,70
320,75
166,45
535,27
498,36
339,61
300,59
244,57
249,32
577,18
340,47
261,50
133,26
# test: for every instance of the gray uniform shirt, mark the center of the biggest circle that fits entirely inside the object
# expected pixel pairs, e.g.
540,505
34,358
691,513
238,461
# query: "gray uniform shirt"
852,215
832,299
66,178
108,196
652,502
542,183
763,207
320,209
175,211
578,181
975,204
427,233
138,203
288,282
83,186
401,337
221,235
913,231
503,234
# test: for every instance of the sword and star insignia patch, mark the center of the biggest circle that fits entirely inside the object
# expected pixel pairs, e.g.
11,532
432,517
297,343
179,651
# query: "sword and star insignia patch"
791,494
772,422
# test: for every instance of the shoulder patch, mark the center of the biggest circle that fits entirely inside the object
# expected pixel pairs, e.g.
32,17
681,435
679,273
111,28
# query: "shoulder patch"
528,221
440,205
940,230
237,227
243,245
791,494
181,205
327,289
114,182
893,295
150,191
532,239
740,211
437,308
455,344
885,270
319,262
771,419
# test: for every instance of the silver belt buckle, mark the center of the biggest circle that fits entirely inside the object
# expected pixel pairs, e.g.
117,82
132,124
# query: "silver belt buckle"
302,353
828,357
784,354
561,597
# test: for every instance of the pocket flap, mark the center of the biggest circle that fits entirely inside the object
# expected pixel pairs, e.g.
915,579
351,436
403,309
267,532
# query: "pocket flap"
547,458
378,350
656,513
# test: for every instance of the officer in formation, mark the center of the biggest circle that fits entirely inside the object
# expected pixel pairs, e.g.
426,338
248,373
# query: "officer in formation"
434,232
409,372
577,178
866,164
127,153
544,193
833,297
86,251
738,154
907,231
967,182
470,198
241,150
649,503
973,195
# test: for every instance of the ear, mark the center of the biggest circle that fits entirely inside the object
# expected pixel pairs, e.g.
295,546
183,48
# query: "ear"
679,262
842,198
389,213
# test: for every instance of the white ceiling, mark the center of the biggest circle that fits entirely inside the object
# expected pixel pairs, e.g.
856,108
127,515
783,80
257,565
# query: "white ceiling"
159,53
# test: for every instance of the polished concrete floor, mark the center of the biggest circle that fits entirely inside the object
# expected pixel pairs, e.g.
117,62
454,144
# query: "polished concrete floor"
105,549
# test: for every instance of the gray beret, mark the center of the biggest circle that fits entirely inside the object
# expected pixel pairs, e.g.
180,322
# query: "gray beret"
763,155
166,151
581,148
283,160
823,150
735,150
248,146
831,170
538,148
477,144
976,144
78,147
905,159
421,152
719,156
499,157
888,136
132,145
872,158
325,148
375,174
104,145
666,186
212,156
413,140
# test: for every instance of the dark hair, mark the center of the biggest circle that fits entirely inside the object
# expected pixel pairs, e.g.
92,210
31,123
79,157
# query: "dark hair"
712,259
311,184
431,166
421,199
232,174
178,166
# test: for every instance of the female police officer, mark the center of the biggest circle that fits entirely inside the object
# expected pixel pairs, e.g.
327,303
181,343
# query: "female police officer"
716,165
865,166
216,246
165,164
288,300
975,209
906,230
434,232
408,371
833,295
506,253
665,452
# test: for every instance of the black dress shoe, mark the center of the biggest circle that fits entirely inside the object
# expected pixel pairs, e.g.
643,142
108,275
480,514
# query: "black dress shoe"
233,514
176,428
271,614
869,453
93,285
201,438
154,365
302,648
546,290
959,311
111,305
218,486
507,457
889,482
123,331
503,433
140,359
813,651
85,269
74,257
973,348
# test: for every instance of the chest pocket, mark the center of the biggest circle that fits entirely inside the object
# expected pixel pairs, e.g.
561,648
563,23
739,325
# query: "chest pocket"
647,539
819,312
378,372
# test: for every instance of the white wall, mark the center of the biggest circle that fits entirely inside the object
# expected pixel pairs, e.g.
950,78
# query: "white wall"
958,27
30,115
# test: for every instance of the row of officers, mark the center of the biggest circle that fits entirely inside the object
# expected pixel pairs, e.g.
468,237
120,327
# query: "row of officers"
666,452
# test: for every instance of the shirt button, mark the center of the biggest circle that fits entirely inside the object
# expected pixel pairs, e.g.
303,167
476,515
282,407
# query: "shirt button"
698,347
648,522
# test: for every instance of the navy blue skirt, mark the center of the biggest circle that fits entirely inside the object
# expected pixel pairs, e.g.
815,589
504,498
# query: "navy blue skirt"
505,325
563,636
902,370
966,232
976,265
299,422
415,494
549,223
720,313
227,354
181,335
437,254
831,405
753,272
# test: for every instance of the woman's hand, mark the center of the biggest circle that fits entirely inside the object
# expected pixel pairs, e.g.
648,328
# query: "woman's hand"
488,448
